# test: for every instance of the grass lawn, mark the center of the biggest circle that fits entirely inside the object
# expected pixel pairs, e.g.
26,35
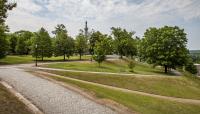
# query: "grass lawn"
116,66
137,103
174,86
9,104
29,59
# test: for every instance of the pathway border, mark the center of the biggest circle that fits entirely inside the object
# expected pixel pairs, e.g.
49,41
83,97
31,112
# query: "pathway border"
21,98
182,100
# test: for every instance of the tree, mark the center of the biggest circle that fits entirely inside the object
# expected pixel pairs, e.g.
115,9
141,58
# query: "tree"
93,39
12,43
4,7
131,65
23,46
102,47
165,46
124,42
81,43
190,67
64,45
44,44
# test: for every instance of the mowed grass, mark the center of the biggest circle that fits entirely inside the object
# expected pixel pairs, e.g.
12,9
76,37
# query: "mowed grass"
115,66
174,86
9,104
29,59
137,103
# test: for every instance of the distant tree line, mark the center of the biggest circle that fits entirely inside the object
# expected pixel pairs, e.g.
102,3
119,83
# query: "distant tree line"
165,46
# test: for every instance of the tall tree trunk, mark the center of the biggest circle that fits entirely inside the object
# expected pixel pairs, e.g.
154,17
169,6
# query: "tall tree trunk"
165,68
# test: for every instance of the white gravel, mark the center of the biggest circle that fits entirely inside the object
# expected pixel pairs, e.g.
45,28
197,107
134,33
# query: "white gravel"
49,97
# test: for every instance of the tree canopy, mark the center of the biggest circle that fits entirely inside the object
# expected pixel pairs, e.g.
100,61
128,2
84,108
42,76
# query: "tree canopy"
124,42
44,44
165,46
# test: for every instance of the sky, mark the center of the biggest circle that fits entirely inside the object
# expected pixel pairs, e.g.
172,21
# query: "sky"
133,15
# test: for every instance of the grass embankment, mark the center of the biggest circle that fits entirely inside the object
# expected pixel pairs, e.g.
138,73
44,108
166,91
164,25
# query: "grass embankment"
137,103
9,104
183,87
29,59
115,66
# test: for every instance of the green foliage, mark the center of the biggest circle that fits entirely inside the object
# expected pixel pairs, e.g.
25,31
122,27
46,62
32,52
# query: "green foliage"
63,44
124,43
12,43
81,43
131,65
43,42
102,47
190,67
24,42
3,43
4,7
93,39
165,46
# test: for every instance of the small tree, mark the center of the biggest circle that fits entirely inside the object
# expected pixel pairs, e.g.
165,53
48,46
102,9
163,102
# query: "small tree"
131,65
81,44
102,48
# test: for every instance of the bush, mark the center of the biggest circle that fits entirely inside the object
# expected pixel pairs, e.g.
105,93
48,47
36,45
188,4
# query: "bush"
190,67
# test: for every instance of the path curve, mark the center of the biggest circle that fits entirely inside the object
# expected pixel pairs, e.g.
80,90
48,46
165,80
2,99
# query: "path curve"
183,100
48,96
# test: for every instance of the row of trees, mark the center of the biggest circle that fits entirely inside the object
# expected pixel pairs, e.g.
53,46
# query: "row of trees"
164,46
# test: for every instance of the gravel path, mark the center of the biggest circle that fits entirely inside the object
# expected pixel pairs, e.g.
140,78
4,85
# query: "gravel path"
49,97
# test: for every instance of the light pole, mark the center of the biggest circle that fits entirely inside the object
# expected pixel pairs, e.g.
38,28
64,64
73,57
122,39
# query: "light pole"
36,55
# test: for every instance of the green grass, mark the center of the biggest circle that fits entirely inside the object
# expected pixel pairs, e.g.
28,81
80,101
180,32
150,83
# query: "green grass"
137,103
183,87
9,104
29,59
116,66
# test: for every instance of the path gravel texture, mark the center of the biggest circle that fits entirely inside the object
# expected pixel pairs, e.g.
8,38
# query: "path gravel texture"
50,97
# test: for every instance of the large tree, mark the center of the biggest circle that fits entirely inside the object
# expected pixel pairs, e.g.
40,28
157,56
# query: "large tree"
81,43
4,7
165,46
124,42
63,45
44,44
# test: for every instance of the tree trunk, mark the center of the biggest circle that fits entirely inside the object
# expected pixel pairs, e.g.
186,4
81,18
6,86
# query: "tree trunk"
80,56
64,57
121,56
165,68
42,54
91,57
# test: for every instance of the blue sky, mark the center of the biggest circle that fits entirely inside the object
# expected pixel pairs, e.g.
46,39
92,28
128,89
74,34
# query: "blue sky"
133,15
